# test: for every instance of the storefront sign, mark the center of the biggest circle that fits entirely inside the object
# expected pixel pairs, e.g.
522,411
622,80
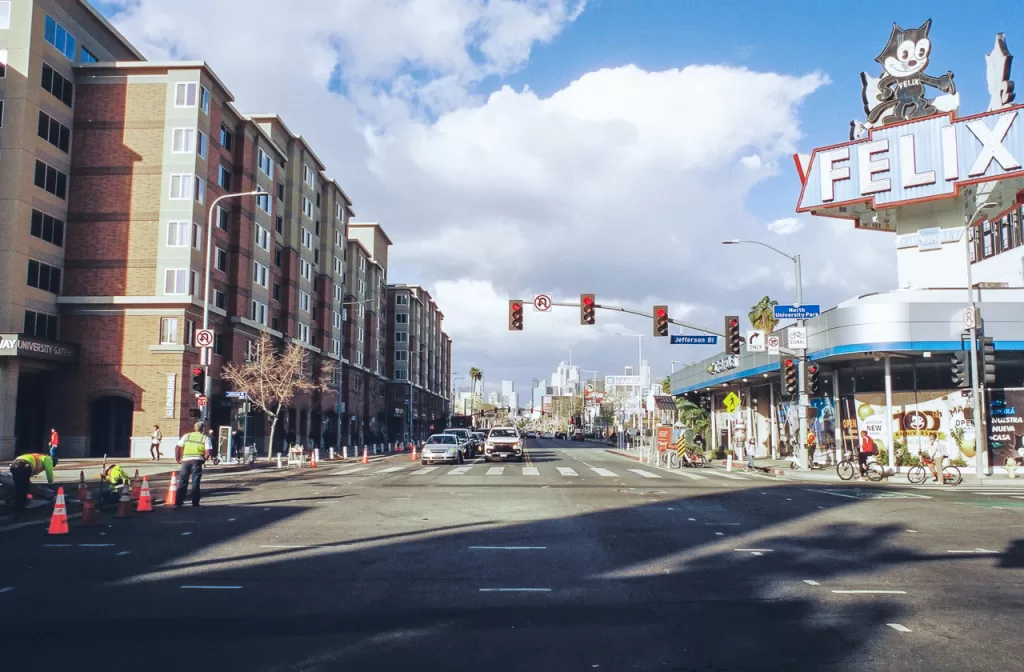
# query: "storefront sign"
1006,423
16,345
930,239
621,381
169,395
724,364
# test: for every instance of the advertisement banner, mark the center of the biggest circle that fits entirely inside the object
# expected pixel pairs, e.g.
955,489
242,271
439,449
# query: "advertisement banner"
821,418
664,437
1006,424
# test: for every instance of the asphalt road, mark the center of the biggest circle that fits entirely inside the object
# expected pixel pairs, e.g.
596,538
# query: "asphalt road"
576,559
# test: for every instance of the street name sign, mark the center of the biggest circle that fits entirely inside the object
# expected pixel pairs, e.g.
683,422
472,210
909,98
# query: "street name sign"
235,394
797,312
693,339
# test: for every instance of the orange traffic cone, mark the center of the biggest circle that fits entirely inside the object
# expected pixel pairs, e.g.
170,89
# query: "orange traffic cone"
59,519
366,458
83,489
172,491
312,459
414,452
124,505
145,500
136,487
89,515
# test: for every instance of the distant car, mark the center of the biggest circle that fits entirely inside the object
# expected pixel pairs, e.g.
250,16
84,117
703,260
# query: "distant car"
478,441
578,436
442,448
560,435
503,443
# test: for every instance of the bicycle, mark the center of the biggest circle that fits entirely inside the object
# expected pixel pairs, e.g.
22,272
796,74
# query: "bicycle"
847,468
695,459
950,474
668,458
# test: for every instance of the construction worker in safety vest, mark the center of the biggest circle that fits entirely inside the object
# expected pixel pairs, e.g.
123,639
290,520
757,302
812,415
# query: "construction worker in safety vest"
191,452
23,468
115,478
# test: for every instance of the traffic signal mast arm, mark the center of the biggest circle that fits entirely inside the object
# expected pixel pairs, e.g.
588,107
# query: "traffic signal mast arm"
678,323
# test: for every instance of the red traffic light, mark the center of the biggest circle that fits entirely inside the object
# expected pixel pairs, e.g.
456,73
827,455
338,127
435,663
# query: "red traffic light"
812,369
789,363
198,371
516,306
588,300
734,322
661,312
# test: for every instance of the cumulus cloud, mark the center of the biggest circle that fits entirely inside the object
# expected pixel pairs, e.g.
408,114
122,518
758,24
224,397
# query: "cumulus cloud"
622,183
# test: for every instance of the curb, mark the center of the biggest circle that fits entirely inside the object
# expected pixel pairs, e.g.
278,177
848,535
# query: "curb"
627,456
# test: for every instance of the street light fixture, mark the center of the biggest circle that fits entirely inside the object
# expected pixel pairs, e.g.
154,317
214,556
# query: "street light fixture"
206,282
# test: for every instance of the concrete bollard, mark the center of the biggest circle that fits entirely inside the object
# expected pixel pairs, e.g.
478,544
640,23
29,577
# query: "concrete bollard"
1011,468
728,462
344,452
364,449
279,460
316,455
330,453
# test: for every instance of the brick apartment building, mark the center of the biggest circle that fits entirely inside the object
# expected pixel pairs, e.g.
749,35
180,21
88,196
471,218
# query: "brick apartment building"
106,212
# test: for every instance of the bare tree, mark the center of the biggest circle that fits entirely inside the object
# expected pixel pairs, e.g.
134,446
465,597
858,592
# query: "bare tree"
272,377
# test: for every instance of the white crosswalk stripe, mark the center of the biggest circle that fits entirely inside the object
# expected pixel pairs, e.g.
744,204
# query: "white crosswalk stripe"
424,470
495,471
459,471
390,470
351,471
725,474
690,475
566,471
645,474
531,471
607,473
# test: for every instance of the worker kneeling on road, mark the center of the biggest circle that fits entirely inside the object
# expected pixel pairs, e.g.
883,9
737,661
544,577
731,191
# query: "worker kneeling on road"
114,477
191,452
23,469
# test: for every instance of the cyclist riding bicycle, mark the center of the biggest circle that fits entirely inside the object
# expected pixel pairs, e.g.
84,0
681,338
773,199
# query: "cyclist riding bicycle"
934,457
867,449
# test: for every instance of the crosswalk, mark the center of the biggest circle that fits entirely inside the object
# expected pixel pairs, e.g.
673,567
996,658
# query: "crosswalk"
504,471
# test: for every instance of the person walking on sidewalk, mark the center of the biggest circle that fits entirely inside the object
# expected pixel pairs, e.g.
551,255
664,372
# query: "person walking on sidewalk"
191,451
154,444
54,443
23,468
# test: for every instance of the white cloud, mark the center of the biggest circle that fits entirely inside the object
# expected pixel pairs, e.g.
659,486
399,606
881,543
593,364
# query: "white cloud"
786,226
623,182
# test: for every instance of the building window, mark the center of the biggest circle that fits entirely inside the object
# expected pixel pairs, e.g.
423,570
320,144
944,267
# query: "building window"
335,346
401,318
59,87
57,35
204,99
175,281
54,132
401,337
401,374
303,301
197,236
224,177
260,273
262,237
401,299
221,260
40,325
181,187
275,324
401,355
220,299
5,14
218,345
307,207
277,292
185,94
179,234
225,137
1,112
307,239
359,358
303,330
51,180
263,200
308,176
200,190
280,191
222,218
339,267
47,228
264,162
279,224
189,337
168,330
86,56
360,333
361,285
259,313
183,140
336,319
201,144
338,212
305,269
277,257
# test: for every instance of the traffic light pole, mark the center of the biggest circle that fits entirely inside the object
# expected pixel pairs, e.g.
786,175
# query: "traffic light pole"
802,400
980,440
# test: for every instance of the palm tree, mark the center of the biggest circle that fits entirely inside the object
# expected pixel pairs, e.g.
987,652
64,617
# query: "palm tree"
666,385
762,315
475,376
693,416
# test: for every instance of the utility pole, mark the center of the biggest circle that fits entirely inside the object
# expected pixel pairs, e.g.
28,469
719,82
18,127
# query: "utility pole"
803,401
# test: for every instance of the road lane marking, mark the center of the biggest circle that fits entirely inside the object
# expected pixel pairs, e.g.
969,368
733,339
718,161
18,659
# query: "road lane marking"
459,471
719,534
600,471
567,471
975,550
508,548
496,471
57,545
914,531
899,628
389,470
424,470
645,474
753,550
723,474
515,590
352,470
531,471
870,592
811,583
185,534
124,553
691,519
211,587
693,477
95,545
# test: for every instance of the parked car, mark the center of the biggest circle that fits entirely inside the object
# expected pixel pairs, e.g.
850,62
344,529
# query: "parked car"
465,438
560,435
442,448
578,436
503,443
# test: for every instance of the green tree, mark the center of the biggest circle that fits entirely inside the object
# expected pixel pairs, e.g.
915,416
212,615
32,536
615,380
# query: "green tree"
475,376
762,315
666,385
693,416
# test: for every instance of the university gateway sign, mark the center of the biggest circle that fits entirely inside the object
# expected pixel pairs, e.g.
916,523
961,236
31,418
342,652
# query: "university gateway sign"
16,345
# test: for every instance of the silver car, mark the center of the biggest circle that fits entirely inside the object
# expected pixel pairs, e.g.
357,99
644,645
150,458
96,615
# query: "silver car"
442,448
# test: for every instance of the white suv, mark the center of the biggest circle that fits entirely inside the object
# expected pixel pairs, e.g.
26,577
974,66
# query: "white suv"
503,443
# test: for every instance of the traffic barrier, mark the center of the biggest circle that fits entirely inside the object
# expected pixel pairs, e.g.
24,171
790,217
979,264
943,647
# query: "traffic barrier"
366,458
172,491
145,499
59,519
89,514
83,489
124,505
136,487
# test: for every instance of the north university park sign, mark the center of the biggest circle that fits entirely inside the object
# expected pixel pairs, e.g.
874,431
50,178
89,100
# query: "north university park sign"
912,149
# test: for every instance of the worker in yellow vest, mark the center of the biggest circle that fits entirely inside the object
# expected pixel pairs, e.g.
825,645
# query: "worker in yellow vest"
191,452
23,468
115,478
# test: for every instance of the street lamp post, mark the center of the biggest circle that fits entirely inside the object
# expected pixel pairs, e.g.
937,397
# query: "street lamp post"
206,289
802,401
980,440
